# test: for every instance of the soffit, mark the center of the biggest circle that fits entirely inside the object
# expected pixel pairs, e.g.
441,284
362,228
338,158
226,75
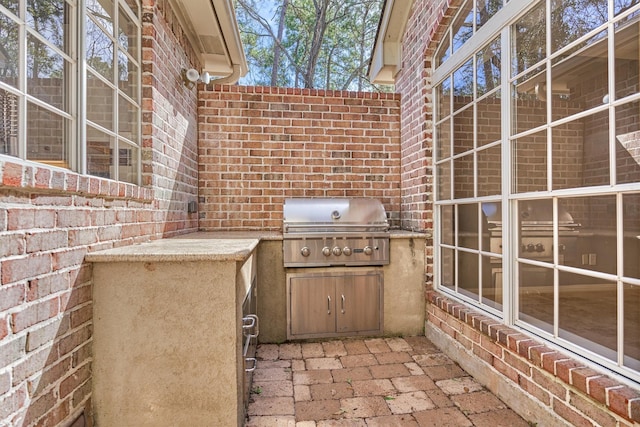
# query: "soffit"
213,31
386,58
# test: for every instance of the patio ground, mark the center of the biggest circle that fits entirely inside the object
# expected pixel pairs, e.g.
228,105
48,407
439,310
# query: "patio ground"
382,382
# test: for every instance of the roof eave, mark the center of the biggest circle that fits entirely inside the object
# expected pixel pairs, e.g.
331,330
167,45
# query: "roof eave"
212,29
386,58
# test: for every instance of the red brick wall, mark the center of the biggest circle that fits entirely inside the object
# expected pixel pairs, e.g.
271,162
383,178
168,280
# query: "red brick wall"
566,387
260,145
50,218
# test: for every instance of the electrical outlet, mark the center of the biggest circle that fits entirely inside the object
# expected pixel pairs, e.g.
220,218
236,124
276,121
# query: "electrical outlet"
585,259
592,259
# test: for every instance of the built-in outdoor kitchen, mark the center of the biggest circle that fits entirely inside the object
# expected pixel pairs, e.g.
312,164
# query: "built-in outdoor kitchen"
176,320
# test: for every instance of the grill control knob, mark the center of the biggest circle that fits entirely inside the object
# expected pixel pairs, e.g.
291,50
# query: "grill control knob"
539,247
305,251
346,250
337,251
531,247
326,251
367,250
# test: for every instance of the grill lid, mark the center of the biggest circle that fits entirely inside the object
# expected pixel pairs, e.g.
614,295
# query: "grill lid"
531,213
334,214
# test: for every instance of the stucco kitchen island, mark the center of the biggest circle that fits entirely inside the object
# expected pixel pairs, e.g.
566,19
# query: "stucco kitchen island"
168,338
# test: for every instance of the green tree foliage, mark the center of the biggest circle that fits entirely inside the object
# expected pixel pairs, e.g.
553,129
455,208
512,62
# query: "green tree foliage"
309,43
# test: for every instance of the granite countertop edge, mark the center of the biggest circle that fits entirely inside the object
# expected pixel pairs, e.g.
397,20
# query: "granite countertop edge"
205,246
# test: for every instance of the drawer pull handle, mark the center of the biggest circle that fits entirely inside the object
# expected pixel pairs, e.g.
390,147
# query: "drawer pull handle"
328,304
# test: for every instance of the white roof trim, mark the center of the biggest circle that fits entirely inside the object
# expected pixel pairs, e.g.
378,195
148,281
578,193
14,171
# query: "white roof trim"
386,58
213,31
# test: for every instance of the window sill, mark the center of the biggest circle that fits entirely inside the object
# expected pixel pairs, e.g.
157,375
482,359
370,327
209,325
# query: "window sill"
50,177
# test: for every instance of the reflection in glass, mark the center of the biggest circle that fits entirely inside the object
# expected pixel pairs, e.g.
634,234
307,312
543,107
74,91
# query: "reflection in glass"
535,296
8,123
631,233
102,12
620,6
628,143
46,74
99,101
581,152
100,148
9,53
99,50
627,55
127,75
492,227
444,99
529,40
588,313
463,177
11,5
529,101
443,135
444,50
462,28
444,180
127,163
485,9
127,119
488,119
468,274
47,140
530,163
579,82
463,85
631,332
489,171
447,268
447,225
593,245
492,281
468,235
488,64
573,19
128,34
49,17
463,131
133,6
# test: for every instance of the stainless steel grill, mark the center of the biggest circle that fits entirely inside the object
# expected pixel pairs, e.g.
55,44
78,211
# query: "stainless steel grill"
322,232
536,231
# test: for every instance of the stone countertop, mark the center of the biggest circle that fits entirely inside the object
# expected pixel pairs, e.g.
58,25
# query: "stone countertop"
188,247
204,246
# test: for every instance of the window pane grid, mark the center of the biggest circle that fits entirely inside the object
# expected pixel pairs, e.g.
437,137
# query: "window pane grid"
572,127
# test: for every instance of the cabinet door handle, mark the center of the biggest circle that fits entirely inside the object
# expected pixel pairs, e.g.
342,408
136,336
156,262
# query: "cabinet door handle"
328,304
342,304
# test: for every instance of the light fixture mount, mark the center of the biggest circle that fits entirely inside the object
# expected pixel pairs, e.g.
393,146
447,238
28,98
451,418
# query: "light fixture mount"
191,76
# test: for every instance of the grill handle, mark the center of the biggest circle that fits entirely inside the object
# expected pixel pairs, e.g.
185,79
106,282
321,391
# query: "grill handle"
328,304
342,304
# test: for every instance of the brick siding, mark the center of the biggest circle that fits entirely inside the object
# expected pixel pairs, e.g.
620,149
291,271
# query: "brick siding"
50,218
565,386
260,145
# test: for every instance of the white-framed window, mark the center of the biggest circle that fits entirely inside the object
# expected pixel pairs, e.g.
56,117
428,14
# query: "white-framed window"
537,154
70,85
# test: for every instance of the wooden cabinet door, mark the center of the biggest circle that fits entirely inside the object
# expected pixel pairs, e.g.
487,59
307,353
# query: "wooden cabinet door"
358,298
312,305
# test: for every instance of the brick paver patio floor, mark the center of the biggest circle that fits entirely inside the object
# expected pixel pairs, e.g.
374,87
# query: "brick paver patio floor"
381,382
